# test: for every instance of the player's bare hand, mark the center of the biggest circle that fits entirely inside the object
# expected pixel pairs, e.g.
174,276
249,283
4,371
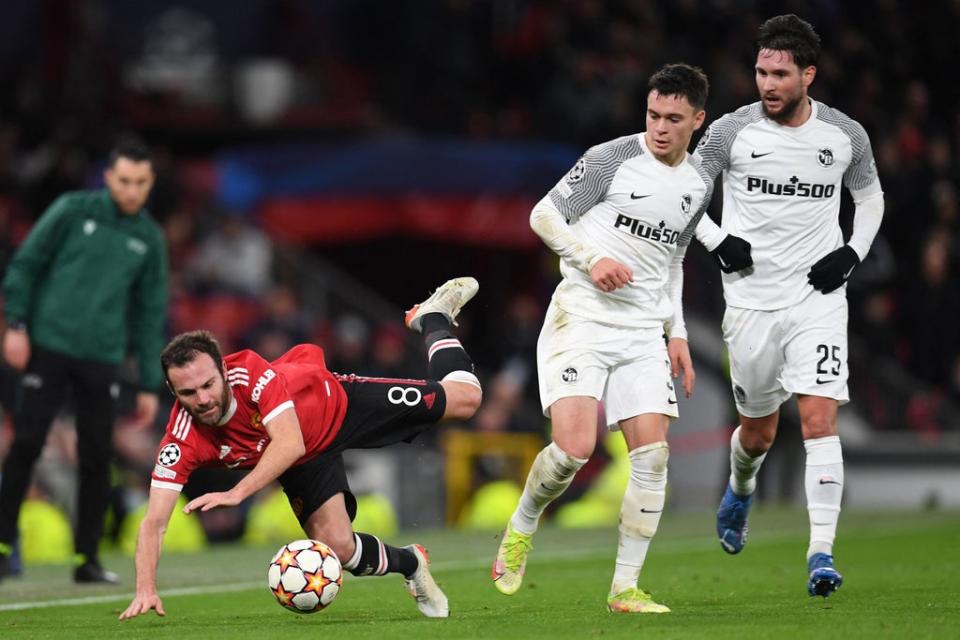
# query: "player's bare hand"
212,500
146,409
609,275
143,604
680,361
16,348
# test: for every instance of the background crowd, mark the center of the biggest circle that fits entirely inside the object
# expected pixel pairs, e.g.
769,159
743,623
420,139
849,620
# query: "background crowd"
196,79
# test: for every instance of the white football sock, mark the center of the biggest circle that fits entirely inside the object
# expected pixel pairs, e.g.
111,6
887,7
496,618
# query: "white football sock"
743,467
824,484
551,474
640,514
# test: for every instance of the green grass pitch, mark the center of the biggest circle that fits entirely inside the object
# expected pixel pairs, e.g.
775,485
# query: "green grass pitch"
901,574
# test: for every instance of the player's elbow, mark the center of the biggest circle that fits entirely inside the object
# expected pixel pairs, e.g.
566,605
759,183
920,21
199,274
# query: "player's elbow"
543,218
296,449
471,402
463,400
467,404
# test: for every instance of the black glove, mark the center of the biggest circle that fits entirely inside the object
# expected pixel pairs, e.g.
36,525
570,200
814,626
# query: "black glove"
733,254
832,270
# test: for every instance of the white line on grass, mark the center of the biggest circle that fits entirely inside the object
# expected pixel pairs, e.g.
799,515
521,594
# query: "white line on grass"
667,547
113,597
664,547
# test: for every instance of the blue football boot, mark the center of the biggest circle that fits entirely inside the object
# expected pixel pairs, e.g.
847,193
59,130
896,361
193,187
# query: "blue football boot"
732,520
824,579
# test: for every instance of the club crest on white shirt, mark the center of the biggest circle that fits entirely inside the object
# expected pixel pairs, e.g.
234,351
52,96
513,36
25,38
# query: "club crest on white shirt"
825,157
686,200
569,375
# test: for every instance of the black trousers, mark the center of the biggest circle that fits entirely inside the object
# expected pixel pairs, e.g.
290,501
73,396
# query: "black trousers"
40,396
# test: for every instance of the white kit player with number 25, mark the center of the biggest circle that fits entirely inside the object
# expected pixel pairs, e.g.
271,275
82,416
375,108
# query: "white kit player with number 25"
784,160
620,221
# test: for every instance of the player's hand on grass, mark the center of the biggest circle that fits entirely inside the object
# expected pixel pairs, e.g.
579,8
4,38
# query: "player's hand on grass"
678,350
733,254
211,500
609,275
143,604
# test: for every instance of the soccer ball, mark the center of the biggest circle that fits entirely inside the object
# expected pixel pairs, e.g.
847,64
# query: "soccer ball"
305,576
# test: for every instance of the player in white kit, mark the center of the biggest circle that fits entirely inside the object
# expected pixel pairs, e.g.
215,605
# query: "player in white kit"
784,160
620,221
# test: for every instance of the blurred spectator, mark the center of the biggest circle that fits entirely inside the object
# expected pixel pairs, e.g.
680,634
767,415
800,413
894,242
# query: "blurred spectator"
566,71
390,356
348,351
933,314
282,325
235,258
512,399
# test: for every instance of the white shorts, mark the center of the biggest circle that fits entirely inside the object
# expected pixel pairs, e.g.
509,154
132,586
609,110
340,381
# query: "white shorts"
626,368
799,349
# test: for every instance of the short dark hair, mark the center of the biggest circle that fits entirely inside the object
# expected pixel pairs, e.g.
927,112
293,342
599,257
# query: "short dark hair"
185,348
791,34
680,79
131,149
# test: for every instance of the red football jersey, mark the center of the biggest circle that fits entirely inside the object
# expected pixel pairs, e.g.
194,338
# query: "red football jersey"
261,390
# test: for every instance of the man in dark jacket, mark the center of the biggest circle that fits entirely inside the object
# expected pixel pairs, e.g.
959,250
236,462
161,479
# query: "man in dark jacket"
89,281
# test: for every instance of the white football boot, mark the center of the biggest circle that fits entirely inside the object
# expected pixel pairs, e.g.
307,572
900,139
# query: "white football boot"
430,599
448,299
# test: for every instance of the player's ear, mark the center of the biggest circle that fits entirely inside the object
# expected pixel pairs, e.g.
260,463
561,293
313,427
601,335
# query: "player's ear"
807,76
698,119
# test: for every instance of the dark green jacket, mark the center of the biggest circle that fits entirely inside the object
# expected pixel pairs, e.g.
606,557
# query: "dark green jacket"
86,274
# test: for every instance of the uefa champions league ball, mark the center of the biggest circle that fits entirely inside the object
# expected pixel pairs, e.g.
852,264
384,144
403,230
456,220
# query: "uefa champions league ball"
305,576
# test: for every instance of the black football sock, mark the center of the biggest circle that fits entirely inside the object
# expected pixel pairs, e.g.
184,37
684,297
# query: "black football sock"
444,351
431,322
374,558
444,355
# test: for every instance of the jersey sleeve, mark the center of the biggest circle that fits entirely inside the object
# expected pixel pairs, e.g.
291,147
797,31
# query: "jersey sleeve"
861,176
690,230
179,454
588,181
713,150
268,388
33,257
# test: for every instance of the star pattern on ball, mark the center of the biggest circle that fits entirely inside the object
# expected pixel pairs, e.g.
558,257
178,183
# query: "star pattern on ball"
283,596
286,559
316,582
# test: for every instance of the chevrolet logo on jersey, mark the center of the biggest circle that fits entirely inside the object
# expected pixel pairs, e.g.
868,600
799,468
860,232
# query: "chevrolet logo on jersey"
656,234
792,188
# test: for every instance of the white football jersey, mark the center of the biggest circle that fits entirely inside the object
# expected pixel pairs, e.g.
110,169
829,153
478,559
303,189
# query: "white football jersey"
781,193
622,201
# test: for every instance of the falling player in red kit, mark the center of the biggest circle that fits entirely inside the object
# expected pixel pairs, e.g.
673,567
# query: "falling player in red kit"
290,420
